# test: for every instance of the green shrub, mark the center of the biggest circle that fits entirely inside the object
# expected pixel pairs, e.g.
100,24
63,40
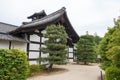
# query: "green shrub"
112,73
13,64
113,54
105,65
42,67
36,69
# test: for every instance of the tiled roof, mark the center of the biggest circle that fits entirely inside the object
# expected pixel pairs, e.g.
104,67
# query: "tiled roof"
45,19
11,38
5,28
59,16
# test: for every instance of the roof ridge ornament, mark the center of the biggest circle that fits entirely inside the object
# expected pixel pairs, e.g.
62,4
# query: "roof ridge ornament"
37,15
63,8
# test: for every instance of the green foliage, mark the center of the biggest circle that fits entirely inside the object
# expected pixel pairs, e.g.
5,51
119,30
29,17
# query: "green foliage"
112,73
97,39
86,49
109,49
55,45
109,46
13,65
105,64
113,54
34,69
103,46
42,67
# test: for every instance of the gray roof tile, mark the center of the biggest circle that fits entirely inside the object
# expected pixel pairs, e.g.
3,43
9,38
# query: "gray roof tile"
11,38
5,28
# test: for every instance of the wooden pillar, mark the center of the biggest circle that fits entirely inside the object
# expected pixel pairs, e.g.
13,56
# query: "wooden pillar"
73,54
10,44
28,46
67,54
40,47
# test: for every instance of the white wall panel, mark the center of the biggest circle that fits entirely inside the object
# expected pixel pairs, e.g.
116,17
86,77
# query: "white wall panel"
34,38
33,55
33,62
4,44
70,54
43,46
44,39
44,62
34,46
44,55
70,49
18,45
70,60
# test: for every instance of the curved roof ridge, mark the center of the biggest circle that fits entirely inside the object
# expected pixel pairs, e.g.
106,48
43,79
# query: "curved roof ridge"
50,15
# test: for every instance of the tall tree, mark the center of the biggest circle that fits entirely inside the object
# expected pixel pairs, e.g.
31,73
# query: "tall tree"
97,40
55,45
103,48
110,41
85,49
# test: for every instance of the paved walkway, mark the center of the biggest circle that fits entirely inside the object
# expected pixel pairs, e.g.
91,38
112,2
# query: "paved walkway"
73,72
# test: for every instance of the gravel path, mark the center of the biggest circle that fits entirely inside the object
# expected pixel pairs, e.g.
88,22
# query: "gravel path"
73,72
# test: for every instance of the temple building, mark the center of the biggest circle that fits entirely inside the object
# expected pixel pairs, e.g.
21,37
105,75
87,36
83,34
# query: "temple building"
29,36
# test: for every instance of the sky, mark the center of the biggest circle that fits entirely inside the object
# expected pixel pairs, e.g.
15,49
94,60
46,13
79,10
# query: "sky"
94,16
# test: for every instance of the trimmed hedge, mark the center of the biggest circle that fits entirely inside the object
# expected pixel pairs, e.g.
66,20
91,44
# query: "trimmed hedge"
13,65
112,73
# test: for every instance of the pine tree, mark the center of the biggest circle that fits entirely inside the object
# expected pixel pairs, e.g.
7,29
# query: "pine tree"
85,49
55,45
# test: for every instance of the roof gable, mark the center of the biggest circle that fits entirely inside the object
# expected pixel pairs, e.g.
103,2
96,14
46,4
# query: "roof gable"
59,17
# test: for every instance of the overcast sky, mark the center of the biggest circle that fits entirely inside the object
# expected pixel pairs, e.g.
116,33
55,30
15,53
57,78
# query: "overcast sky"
85,15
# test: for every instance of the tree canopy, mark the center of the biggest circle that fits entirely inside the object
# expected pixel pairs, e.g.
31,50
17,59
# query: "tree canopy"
86,49
55,45
109,46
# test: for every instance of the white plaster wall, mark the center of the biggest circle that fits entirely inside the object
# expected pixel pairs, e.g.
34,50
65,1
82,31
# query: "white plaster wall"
34,46
4,44
44,39
33,62
43,46
70,49
44,55
44,62
70,52
70,60
75,47
19,45
70,55
34,37
33,55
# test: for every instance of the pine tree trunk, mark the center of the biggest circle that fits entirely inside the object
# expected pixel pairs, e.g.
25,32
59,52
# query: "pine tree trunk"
50,67
85,63
77,61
